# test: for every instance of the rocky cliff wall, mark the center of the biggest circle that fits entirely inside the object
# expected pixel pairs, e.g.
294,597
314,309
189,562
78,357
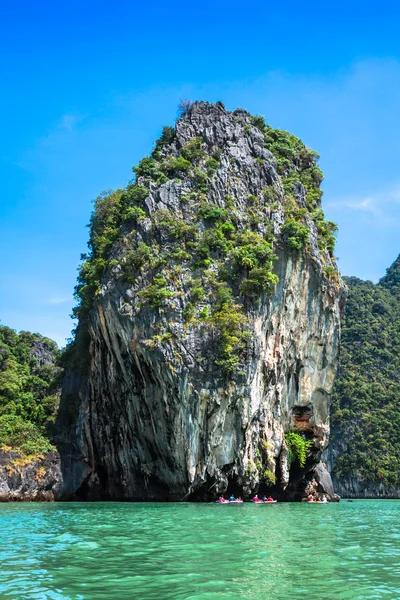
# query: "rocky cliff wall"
29,478
176,394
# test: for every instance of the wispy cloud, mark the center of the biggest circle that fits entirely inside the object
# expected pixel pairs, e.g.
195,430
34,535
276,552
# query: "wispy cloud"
57,300
69,122
62,132
378,205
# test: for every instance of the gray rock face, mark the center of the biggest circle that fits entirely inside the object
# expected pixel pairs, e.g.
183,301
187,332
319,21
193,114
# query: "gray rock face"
154,418
354,488
42,353
29,479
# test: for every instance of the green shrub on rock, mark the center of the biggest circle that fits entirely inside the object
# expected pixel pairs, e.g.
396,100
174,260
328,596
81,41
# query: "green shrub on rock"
269,477
156,293
297,234
193,150
259,280
298,448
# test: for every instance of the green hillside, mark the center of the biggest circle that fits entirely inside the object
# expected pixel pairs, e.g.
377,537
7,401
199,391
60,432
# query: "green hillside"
365,415
28,390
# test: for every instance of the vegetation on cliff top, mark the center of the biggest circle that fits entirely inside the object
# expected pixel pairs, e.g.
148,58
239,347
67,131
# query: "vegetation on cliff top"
229,253
28,390
365,413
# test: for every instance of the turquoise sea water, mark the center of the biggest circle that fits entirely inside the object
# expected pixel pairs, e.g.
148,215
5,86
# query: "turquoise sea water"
200,551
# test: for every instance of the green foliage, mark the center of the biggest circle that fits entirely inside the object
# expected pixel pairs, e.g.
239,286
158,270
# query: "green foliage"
252,251
179,254
189,311
204,313
297,234
138,257
212,212
22,435
229,320
176,167
28,391
266,446
167,137
259,122
150,168
391,281
331,273
211,166
134,213
365,413
200,179
297,447
259,280
269,477
298,163
156,293
132,196
176,226
193,150
197,291
104,225
213,241
326,231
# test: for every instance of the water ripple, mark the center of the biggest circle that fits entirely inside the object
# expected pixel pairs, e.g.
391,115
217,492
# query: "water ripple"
343,551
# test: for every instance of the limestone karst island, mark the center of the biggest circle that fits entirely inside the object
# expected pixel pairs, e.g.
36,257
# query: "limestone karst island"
218,358
209,313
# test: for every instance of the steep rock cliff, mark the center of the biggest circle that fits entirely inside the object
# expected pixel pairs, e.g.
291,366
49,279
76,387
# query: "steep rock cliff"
209,320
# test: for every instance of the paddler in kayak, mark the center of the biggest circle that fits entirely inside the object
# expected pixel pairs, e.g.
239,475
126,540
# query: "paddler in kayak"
256,499
232,498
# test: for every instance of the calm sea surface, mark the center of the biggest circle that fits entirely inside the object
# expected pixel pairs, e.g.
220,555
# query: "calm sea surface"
199,551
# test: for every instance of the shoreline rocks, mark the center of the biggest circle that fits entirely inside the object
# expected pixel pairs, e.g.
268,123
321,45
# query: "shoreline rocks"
29,478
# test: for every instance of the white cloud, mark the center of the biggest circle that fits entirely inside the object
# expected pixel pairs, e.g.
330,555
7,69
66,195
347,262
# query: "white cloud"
379,205
69,122
57,300
62,132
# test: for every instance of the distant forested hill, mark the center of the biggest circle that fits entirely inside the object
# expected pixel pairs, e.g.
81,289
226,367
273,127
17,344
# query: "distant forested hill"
28,390
364,452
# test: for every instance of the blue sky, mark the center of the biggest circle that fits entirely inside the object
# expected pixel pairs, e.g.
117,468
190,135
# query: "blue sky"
87,87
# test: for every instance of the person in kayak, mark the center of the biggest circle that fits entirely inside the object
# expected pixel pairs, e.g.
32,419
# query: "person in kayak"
232,498
256,499
270,499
